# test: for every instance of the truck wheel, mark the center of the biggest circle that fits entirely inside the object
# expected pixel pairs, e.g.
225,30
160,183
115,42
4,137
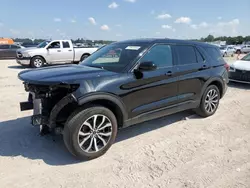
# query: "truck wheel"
84,56
37,62
89,133
209,102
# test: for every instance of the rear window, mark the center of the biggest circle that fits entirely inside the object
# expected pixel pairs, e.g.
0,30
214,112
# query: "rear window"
214,53
65,44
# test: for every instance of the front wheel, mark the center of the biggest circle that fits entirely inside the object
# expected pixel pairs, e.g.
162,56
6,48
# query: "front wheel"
209,102
90,132
37,62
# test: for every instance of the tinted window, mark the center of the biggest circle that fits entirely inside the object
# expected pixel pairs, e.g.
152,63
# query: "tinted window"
160,55
186,54
55,45
200,58
214,53
66,45
14,47
4,46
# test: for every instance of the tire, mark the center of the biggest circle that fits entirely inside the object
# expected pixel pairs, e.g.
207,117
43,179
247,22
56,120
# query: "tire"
37,62
202,110
225,54
232,55
85,143
84,56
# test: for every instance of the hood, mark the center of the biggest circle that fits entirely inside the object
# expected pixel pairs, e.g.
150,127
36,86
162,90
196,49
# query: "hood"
241,65
68,74
28,49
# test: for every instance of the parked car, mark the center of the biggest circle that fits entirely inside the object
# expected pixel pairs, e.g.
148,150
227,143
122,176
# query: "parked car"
151,78
227,51
53,52
28,45
242,49
8,51
240,70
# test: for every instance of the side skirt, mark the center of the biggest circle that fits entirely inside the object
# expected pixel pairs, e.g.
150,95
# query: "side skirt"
147,116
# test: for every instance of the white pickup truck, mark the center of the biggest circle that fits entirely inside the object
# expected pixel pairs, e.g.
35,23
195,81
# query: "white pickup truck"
52,52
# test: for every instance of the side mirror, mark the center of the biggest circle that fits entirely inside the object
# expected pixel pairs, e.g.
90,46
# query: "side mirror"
147,66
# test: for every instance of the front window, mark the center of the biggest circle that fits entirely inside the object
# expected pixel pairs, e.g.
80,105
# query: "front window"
246,58
43,44
114,57
222,48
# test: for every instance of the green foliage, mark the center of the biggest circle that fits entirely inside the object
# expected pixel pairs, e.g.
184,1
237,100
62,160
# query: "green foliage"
229,40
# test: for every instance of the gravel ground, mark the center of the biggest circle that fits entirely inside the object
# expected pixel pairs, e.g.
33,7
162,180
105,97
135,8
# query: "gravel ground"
181,150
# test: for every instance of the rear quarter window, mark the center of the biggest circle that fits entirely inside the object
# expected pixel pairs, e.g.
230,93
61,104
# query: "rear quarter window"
214,53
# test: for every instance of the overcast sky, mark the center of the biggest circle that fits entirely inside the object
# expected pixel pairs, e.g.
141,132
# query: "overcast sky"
123,19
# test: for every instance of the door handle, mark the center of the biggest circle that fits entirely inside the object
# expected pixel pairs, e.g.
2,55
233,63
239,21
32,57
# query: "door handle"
70,50
203,67
169,73
58,50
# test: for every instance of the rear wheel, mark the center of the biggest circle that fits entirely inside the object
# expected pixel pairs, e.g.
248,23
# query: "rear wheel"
91,132
84,56
209,102
37,62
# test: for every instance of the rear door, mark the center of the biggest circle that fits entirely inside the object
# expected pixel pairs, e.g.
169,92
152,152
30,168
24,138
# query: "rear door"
192,70
157,88
67,52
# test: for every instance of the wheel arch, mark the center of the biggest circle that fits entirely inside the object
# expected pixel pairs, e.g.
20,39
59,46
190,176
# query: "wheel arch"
214,81
38,56
86,53
110,101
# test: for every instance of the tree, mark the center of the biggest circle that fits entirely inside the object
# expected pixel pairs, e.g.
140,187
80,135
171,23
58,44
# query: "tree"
209,38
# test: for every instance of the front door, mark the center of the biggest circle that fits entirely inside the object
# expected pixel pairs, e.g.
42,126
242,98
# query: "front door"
155,89
54,52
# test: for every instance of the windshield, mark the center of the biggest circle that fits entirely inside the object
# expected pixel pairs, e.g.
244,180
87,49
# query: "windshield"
246,58
222,48
43,44
114,57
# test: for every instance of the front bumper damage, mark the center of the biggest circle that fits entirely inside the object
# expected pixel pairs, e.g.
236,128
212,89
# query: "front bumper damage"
46,107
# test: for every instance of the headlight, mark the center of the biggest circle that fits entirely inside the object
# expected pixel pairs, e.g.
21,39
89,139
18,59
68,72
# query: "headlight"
26,55
231,69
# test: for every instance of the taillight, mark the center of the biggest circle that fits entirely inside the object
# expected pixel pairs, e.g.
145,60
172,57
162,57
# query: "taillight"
227,67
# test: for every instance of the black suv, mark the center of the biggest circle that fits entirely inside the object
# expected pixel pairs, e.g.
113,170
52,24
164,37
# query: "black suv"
122,84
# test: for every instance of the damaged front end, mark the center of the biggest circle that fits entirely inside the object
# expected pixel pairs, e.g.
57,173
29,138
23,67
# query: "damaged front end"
51,104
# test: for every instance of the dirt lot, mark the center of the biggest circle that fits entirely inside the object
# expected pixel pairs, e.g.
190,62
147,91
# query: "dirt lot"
181,150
